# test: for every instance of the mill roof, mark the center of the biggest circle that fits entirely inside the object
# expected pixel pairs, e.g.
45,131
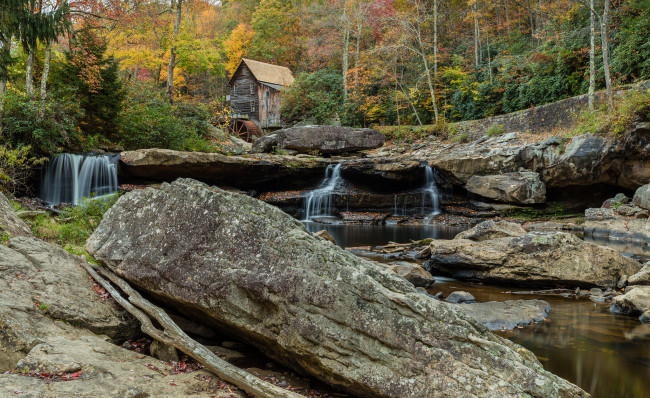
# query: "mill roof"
267,73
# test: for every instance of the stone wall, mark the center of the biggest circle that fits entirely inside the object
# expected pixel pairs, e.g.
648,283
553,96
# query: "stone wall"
544,118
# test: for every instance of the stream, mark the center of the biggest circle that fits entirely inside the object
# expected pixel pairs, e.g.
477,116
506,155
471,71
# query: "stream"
607,355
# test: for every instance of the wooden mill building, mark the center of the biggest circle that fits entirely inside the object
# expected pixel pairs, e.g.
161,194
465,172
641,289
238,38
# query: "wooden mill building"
256,96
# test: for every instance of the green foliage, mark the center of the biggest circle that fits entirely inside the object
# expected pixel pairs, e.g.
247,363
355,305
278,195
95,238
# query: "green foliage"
150,121
495,129
460,138
91,77
17,168
313,97
75,224
4,237
631,57
46,126
627,108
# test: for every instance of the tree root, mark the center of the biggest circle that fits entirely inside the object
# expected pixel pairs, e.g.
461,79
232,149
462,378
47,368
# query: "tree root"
174,336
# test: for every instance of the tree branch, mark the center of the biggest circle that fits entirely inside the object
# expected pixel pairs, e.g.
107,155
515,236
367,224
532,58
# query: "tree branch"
174,336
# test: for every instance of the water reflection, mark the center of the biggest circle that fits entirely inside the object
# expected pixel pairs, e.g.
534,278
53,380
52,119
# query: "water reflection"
373,235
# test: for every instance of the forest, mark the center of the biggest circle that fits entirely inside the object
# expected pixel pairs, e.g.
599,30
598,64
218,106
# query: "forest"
86,74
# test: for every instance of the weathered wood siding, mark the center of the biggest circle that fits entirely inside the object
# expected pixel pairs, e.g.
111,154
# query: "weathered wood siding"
269,100
244,93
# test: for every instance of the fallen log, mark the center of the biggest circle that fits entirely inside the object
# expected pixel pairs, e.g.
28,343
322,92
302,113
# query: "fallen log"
174,336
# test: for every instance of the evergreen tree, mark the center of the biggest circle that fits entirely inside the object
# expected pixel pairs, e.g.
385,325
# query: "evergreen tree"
93,76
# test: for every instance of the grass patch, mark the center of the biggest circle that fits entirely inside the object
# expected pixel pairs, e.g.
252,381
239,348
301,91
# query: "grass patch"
74,225
628,108
410,133
4,237
495,129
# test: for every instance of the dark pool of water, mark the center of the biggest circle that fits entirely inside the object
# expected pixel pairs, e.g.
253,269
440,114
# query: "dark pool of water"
374,235
606,355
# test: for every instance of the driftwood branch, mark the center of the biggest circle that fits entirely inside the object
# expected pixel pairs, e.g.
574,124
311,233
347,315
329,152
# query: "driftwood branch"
174,336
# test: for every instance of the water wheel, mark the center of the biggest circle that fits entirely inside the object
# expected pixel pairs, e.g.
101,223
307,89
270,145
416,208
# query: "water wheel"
244,129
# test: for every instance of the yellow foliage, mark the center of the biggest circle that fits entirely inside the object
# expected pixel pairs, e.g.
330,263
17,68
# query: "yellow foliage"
237,45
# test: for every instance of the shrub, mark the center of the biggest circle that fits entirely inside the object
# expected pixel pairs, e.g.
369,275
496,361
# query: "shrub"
150,121
627,108
460,138
495,129
17,168
75,224
46,126
313,97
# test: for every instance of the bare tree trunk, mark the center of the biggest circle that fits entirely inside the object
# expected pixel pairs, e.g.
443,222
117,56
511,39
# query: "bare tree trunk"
476,34
29,73
592,55
415,112
172,56
6,45
357,49
346,50
46,69
605,43
435,39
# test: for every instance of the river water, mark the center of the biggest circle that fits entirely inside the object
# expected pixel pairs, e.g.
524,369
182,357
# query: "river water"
607,355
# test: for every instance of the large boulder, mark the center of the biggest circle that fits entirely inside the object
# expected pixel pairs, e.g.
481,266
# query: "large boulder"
539,258
642,197
252,271
328,139
43,293
635,301
642,277
491,229
9,221
523,187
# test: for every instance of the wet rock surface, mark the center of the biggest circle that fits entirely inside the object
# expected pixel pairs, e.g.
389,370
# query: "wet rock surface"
499,315
232,261
460,298
10,223
635,301
541,258
519,187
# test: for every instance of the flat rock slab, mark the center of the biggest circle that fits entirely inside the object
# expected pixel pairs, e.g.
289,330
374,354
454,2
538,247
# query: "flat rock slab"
105,370
254,272
44,292
500,315
237,171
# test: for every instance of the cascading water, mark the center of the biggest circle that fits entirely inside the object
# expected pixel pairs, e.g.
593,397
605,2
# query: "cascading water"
68,178
319,201
430,195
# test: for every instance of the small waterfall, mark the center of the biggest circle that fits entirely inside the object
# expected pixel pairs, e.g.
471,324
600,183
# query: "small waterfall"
430,195
395,213
68,178
319,201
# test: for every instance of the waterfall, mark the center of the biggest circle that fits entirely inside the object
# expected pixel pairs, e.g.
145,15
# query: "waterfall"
319,201
430,195
68,178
